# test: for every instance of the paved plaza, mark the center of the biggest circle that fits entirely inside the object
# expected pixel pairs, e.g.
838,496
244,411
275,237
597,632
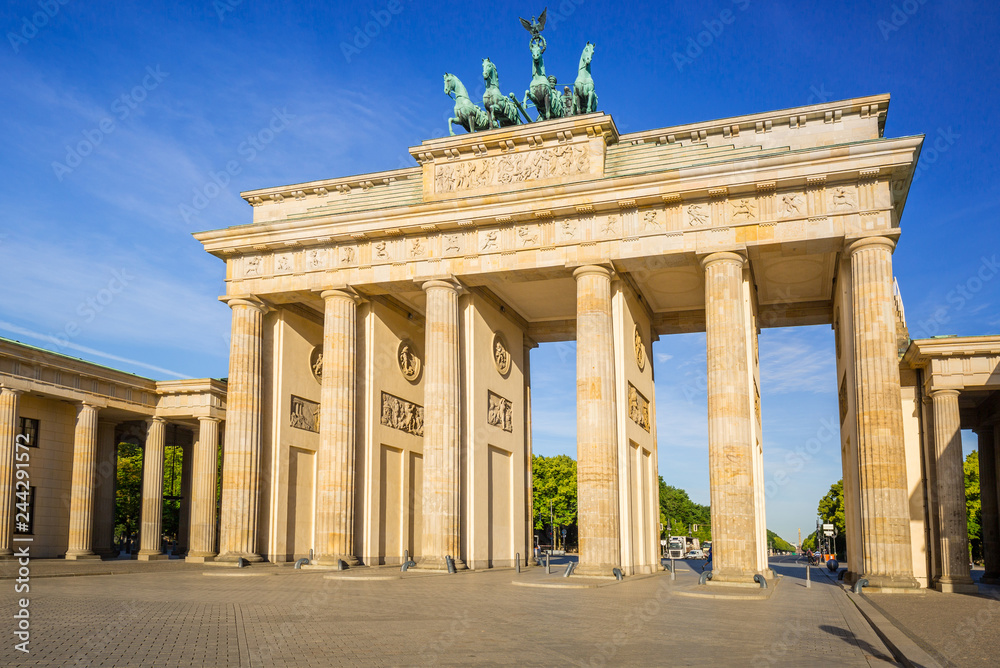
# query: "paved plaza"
177,614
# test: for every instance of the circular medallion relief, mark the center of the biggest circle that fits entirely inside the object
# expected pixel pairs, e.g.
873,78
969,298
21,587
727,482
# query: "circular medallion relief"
316,362
640,350
409,362
501,354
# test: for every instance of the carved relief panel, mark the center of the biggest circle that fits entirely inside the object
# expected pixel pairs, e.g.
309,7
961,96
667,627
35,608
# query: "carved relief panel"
402,414
638,407
500,412
304,414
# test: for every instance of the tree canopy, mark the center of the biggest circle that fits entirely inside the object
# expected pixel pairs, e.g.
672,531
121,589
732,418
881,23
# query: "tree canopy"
973,505
553,482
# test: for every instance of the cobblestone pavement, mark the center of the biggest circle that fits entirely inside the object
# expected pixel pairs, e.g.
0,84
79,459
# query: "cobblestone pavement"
283,617
956,629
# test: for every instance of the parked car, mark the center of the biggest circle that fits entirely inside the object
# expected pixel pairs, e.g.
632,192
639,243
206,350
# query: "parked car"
696,554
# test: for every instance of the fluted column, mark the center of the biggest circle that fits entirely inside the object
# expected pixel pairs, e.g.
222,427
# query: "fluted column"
730,446
529,494
104,501
596,425
81,508
951,494
885,523
150,533
442,422
991,502
9,400
335,459
204,473
242,449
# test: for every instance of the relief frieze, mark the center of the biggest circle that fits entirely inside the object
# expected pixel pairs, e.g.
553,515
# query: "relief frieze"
546,163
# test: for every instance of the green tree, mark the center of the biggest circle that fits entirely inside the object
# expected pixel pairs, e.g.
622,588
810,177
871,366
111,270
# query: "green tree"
680,513
554,486
779,543
173,466
128,490
973,506
831,511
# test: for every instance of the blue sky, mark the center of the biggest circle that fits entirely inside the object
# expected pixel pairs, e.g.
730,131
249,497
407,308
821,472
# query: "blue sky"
116,114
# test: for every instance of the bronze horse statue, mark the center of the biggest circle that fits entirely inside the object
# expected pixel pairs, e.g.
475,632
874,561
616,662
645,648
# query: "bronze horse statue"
541,91
503,111
584,97
467,114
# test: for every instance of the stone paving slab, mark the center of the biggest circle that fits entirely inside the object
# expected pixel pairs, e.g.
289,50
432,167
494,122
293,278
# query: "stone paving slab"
955,629
302,618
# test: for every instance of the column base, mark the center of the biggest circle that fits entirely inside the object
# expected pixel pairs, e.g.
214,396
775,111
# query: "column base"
199,557
236,556
7,555
734,576
438,564
81,556
595,570
956,586
150,556
889,581
332,560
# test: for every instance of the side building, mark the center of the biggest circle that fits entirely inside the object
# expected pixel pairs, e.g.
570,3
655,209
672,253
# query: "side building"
72,415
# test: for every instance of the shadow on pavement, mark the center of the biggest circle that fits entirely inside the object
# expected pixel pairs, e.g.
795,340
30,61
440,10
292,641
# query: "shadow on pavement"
850,638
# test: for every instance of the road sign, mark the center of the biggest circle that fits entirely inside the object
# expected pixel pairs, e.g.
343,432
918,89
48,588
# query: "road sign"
827,527
564,533
828,533
663,542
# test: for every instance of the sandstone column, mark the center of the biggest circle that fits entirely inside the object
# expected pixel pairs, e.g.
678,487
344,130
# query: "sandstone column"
730,446
442,421
242,450
335,459
529,495
885,522
204,477
990,510
951,494
104,502
9,400
151,531
596,425
81,509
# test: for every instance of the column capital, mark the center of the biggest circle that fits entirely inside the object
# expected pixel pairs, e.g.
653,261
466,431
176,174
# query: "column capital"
870,242
945,392
10,391
448,284
724,256
156,419
592,269
347,294
251,301
107,422
208,418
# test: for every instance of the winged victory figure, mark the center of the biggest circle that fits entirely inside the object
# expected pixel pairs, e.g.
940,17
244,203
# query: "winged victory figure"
535,27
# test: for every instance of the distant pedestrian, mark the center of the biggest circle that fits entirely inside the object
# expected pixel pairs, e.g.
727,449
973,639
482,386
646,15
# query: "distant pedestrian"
707,566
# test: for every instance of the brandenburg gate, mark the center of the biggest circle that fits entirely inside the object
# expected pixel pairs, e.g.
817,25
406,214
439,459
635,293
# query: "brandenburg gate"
379,388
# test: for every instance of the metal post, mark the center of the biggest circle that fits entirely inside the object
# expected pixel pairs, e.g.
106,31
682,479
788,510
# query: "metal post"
809,583
548,571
